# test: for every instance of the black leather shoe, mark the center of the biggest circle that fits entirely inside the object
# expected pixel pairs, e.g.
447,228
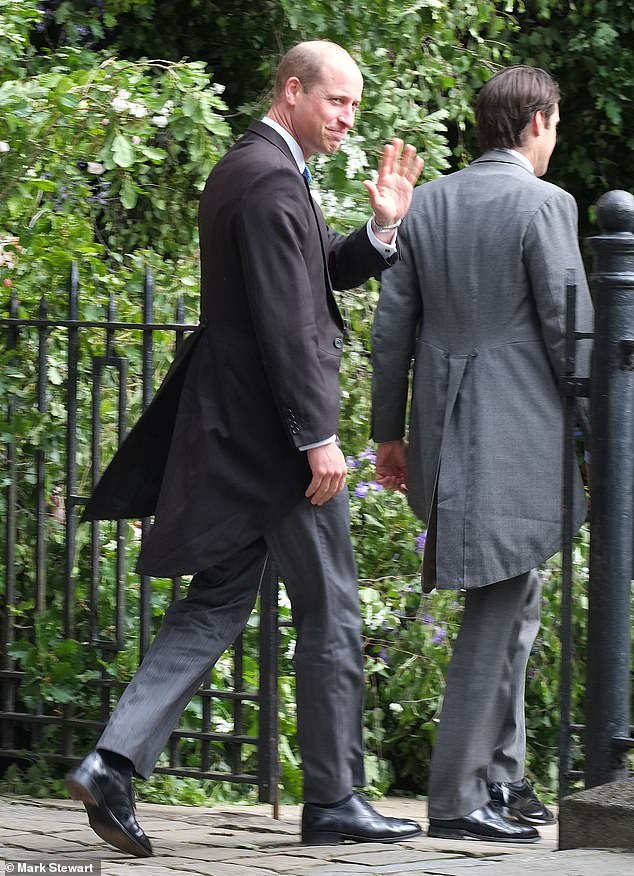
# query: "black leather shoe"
519,801
109,802
485,824
353,820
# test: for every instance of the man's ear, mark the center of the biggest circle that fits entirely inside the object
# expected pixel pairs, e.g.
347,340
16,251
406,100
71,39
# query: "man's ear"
292,88
538,123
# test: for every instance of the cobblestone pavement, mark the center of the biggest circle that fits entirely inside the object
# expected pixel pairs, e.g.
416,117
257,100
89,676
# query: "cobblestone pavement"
230,840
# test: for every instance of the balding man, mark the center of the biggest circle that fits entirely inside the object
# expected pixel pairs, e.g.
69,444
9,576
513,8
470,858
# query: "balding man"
237,457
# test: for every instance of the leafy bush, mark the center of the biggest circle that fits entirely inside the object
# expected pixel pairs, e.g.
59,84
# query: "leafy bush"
101,161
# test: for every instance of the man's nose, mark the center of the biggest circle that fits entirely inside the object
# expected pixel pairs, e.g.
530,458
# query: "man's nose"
347,116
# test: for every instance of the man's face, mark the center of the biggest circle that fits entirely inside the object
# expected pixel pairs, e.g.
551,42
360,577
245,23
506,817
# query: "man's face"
546,141
323,116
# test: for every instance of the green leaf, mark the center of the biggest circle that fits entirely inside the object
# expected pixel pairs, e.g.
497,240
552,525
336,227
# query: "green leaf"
153,153
122,151
57,693
68,101
44,185
128,194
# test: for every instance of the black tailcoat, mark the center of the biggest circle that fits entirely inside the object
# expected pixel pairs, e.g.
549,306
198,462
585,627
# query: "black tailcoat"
215,456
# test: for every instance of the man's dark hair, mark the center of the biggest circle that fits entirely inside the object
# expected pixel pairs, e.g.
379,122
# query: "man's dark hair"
508,102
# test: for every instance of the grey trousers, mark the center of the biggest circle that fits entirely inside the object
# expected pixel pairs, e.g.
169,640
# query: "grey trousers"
312,549
482,733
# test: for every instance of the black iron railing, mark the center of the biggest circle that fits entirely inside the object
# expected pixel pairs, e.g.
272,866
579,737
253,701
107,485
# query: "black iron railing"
607,734
72,592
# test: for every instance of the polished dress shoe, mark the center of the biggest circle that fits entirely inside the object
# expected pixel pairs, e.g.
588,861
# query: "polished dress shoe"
519,801
109,801
353,820
485,824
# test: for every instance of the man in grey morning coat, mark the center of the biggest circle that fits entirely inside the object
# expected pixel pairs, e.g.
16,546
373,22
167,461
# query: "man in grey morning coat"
478,302
237,457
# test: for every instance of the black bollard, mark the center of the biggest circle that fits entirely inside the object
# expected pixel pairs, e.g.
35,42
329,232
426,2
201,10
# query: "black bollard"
612,487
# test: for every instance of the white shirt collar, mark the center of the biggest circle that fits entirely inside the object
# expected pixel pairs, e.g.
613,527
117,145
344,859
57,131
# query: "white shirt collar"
527,164
293,145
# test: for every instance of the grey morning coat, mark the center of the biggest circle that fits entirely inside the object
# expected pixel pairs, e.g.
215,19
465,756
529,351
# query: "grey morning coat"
478,303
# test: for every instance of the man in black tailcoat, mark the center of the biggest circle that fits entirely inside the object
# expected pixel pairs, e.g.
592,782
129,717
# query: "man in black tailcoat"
237,457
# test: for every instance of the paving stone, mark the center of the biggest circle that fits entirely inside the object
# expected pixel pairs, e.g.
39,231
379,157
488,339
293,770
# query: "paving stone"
236,841
478,849
40,842
144,869
186,834
210,868
330,869
247,841
284,863
259,824
204,853
344,850
586,862
389,856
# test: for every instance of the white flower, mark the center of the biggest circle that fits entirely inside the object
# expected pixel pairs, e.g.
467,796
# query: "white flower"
159,121
136,140
137,110
396,707
218,88
119,105
4,147
123,94
222,725
95,167
356,157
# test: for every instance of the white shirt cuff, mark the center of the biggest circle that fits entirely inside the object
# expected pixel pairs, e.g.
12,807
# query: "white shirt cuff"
387,250
330,440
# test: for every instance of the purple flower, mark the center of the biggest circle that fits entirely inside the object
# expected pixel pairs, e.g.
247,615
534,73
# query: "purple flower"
363,488
440,633
383,656
368,454
421,538
429,620
351,462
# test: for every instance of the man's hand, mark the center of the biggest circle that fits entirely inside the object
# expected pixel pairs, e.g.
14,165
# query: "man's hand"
329,470
391,465
391,194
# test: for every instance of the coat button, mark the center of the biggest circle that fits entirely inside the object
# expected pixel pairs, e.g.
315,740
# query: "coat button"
338,343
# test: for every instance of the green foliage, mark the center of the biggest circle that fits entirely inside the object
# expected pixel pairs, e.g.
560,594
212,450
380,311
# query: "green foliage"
38,779
18,20
105,157
588,45
102,155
